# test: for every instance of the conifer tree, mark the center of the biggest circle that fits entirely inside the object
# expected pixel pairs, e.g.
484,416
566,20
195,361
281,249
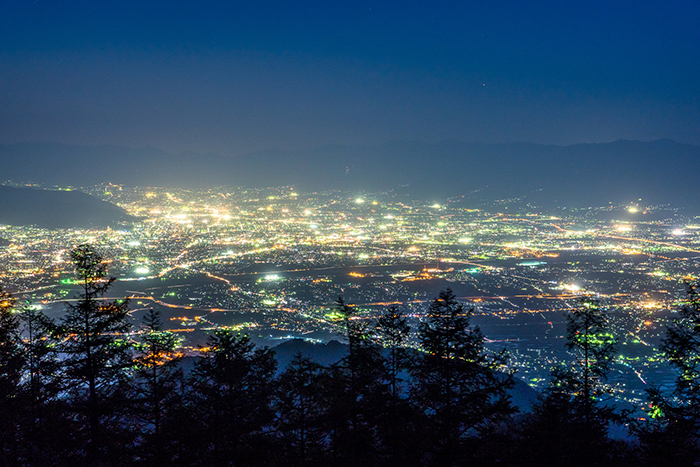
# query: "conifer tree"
97,353
46,428
393,333
42,363
301,412
11,356
399,420
234,384
12,363
589,338
455,380
673,433
570,423
358,393
157,377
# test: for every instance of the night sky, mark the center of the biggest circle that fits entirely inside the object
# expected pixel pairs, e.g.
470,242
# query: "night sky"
234,77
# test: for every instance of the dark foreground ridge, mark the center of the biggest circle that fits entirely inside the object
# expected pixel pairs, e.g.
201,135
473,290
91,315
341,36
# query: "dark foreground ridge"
57,209
522,396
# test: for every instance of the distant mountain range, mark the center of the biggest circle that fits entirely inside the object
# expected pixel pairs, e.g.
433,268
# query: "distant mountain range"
57,209
580,175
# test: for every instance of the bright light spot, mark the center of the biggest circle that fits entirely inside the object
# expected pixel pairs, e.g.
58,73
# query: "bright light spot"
363,256
272,277
465,240
436,206
679,232
633,209
134,243
307,212
623,228
359,201
572,287
313,226
335,316
142,270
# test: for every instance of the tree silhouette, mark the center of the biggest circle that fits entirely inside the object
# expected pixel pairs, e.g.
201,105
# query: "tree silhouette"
234,384
12,363
96,351
399,420
673,432
47,431
589,338
455,380
393,331
301,412
570,423
157,377
358,392
42,363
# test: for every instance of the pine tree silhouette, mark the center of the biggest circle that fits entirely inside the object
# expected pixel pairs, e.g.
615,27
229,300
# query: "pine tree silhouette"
455,380
234,384
570,423
673,432
12,362
97,352
156,382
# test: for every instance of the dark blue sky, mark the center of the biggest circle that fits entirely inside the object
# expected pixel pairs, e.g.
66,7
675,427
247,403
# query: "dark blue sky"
232,77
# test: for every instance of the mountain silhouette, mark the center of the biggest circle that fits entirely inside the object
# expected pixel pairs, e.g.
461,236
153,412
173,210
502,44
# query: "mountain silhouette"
57,209
578,175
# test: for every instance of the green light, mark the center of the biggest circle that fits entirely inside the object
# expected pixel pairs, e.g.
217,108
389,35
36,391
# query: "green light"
656,412
335,316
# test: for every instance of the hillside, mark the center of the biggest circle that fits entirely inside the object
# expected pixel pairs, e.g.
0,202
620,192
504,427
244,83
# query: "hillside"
57,209
522,396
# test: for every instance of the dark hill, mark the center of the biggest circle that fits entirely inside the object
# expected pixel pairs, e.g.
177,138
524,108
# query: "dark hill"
57,209
324,354
522,395
579,175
